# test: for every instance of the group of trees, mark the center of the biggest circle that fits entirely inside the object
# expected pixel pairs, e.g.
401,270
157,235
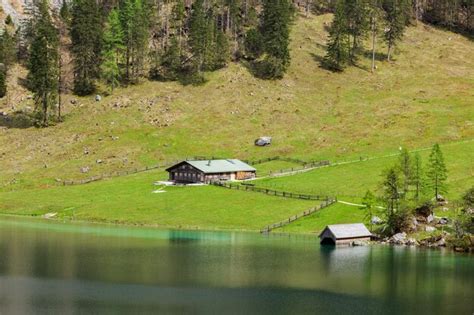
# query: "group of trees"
119,42
407,185
355,20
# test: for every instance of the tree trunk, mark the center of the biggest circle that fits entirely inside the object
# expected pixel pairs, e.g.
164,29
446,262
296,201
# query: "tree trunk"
373,44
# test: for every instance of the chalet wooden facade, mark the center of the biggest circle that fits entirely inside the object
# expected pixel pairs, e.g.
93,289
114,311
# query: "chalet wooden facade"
206,171
344,234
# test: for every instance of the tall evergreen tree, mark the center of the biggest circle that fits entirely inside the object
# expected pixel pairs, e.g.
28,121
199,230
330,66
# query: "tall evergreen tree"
198,34
43,62
357,19
395,22
86,36
417,176
337,52
436,172
391,194
112,50
275,29
65,12
405,165
222,50
7,57
134,19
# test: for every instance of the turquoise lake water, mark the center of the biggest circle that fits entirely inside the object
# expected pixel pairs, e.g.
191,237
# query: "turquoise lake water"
64,268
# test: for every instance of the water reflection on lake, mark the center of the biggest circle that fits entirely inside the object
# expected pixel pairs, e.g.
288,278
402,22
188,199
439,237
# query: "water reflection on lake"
70,268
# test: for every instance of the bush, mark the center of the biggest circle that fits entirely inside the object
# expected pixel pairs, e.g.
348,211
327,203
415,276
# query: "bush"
468,198
8,20
399,220
269,68
3,84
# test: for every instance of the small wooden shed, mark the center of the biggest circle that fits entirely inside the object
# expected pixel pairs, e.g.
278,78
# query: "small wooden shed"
205,171
338,234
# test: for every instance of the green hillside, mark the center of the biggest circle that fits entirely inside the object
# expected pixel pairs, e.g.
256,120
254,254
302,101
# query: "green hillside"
424,96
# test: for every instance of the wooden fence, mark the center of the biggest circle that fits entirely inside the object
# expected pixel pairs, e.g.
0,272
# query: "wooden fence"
133,171
271,192
191,158
280,224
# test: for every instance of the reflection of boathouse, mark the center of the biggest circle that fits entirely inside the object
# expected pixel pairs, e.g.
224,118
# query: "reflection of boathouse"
344,234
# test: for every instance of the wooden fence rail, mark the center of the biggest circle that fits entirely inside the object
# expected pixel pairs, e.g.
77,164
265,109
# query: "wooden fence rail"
170,163
271,192
295,217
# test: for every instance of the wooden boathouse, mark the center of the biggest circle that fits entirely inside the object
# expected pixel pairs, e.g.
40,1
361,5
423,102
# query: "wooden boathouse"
339,234
206,171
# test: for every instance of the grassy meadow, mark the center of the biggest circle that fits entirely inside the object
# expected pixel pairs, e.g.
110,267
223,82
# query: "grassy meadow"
424,96
353,179
134,200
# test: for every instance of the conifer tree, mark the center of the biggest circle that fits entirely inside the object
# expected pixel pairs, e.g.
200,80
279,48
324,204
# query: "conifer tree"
43,62
222,50
337,53
253,44
405,165
395,23
436,172
375,15
134,19
417,179
275,29
357,19
198,34
86,36
391,195
65,12
112,50
369,206
171,61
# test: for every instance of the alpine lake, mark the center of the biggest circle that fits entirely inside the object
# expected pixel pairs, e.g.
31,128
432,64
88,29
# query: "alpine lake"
49,267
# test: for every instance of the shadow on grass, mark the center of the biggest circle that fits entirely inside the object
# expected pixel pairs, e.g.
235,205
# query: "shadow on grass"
19,120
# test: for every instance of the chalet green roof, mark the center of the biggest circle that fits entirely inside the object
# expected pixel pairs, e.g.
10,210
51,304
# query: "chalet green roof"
221,166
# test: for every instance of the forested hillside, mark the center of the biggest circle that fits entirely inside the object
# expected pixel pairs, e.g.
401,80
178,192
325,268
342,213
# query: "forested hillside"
424,95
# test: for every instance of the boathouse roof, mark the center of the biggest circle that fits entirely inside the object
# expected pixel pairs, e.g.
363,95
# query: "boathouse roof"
342,231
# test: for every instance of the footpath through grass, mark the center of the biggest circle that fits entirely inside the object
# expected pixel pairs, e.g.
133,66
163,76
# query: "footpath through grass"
353,179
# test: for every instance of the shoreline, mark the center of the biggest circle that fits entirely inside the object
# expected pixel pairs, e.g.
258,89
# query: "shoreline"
385,241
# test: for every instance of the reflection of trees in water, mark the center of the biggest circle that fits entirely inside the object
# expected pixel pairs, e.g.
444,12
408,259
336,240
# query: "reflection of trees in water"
183,236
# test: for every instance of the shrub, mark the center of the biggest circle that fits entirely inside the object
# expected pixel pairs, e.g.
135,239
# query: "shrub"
269,68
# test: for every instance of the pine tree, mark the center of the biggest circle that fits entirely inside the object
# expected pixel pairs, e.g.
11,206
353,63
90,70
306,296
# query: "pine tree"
253,44
395,23
357,19
140,35
369,206
222,50
275,29
337,53
391,193
417,178
3,82
86,36
43,62
198,34
112,50
171,61
65,12
405,165
134,19
375,15
7,49
436,172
